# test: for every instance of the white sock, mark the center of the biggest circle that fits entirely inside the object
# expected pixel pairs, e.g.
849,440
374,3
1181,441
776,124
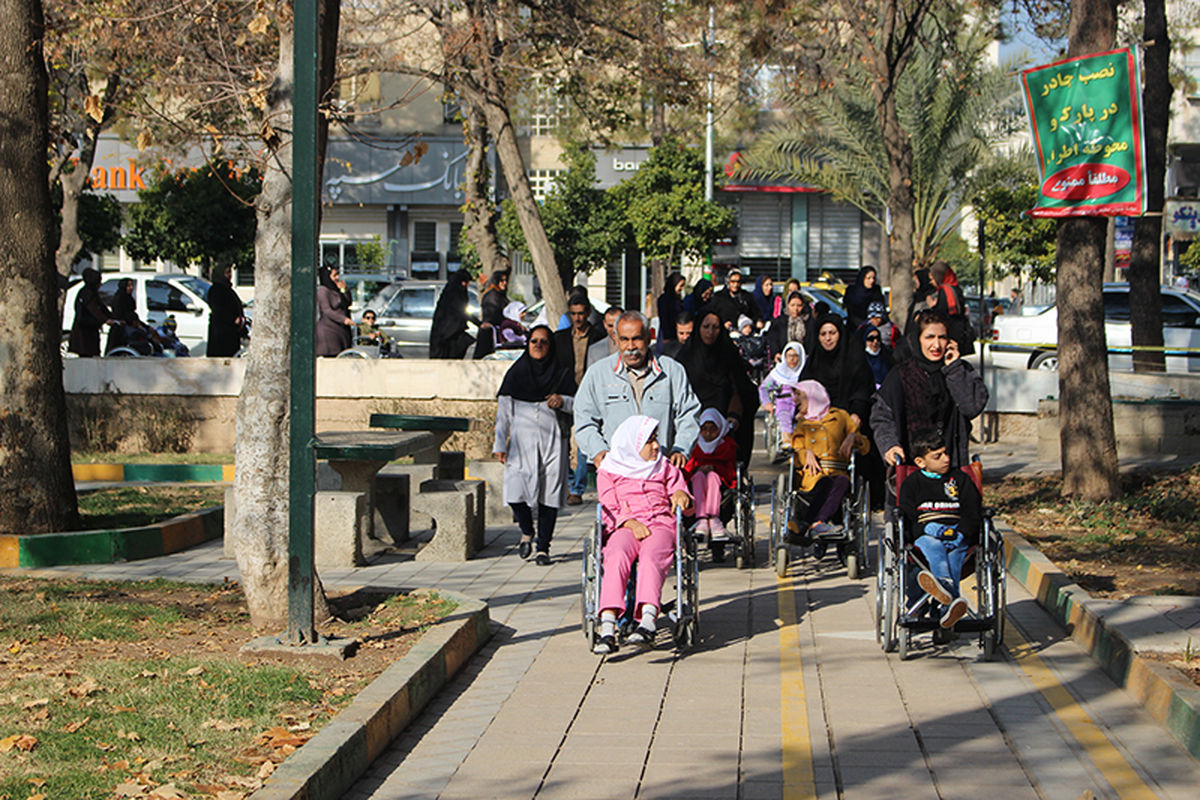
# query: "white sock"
608,624
649,616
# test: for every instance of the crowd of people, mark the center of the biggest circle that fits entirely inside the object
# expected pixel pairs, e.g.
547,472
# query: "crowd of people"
664,416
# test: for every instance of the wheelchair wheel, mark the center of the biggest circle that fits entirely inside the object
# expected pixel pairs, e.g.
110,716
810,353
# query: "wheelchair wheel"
745,520
886,588
589,586
852,566
860,530
771,436
903,643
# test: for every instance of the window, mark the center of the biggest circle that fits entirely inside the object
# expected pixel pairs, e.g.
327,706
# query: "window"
418,302
1191,66
548,109
161,296
425,237
541,182
108,290
1177,312
1116,306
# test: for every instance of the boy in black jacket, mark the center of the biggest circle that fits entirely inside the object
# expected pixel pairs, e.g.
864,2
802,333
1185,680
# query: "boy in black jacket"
943,510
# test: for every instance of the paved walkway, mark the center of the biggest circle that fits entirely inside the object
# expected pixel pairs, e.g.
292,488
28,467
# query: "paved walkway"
786,696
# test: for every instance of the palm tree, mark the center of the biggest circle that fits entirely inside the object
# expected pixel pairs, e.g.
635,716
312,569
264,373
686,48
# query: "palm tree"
954,107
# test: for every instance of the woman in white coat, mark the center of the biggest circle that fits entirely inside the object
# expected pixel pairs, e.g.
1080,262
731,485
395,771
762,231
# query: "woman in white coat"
533,419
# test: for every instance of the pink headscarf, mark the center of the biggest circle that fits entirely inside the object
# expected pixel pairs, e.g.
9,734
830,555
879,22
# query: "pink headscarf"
625,457
818,399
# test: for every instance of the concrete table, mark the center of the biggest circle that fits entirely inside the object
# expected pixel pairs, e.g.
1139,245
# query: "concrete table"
358,455
440,428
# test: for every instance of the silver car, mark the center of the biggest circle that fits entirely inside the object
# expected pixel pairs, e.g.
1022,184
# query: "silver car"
404,311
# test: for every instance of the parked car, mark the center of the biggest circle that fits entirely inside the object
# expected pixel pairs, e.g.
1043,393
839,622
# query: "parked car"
1030,341
157,295
404,311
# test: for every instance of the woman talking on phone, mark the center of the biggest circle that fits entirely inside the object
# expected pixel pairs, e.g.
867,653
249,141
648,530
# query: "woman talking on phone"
935,390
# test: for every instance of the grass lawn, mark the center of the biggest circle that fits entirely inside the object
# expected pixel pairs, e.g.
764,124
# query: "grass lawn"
137,689
151,458
132,506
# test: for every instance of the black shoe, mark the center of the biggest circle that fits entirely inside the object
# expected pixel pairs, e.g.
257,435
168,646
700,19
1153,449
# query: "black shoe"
818,550
605,645
543,559
642,636
718,553
525,548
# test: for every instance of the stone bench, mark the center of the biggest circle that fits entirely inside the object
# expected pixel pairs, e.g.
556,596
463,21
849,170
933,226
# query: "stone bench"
459,518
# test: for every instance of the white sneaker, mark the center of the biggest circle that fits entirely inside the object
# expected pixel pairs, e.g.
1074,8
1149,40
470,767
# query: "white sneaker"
716,529
819,529
933,587
958,607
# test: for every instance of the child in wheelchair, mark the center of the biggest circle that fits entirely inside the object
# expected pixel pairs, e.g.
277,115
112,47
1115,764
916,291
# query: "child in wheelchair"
639,491
775,392
943,514
712,466
823,442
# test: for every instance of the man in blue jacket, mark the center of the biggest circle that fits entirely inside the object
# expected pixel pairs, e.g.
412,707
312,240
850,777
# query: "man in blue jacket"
632,382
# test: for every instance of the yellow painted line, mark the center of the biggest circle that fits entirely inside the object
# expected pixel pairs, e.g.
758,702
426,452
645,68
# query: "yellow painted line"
799,782
1115,768
227,473
10,551
98,472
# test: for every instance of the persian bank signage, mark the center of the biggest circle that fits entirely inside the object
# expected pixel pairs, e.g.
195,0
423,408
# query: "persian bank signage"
1086,118
355,173
614,166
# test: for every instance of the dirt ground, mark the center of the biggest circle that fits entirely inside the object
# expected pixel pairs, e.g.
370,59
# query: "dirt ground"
1146,543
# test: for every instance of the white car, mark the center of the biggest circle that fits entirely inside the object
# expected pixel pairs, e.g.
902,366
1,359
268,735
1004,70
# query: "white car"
1030,342
157,295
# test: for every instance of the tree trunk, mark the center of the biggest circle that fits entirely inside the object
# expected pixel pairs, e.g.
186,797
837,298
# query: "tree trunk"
1088,442
529,214
901,203
477,211
37,491
1145,280
260,529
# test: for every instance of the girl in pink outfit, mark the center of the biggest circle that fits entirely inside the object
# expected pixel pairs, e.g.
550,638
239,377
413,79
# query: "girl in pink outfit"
639,491
711,467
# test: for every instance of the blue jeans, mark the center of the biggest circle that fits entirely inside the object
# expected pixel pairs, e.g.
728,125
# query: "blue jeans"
578,481
945,558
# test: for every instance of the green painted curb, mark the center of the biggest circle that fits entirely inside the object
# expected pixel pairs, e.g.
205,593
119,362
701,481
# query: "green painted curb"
175,473
327,766
110,546
1073,608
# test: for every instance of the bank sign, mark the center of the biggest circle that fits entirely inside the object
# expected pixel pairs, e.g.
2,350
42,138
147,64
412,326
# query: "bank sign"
1086,118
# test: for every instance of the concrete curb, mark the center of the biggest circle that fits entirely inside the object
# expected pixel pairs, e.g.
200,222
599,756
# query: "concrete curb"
111,546
1171,698
157,473
332,761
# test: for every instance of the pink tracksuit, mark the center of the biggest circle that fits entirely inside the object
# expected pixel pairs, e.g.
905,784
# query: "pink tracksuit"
648,502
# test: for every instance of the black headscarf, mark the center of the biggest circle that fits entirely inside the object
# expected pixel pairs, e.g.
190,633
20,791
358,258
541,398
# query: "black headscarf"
710,367
533,380
695,301
325,276
669,305
843,371
124,304
858,297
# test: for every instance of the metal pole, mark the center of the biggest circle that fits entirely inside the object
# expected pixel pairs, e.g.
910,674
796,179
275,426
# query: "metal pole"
303,364
708,116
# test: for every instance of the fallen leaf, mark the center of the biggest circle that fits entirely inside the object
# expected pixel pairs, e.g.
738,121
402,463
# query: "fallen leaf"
222,725
14,648
258,26
124,709
36,797
40,715
147,674
85,689
129,789
167,792
229,794
32,704
38,782
74,726
194,671
132,736
265,770
21,741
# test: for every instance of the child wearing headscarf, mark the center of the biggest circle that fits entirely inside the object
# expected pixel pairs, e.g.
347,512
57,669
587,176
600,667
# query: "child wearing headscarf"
823,442
639,491
780,381
712,465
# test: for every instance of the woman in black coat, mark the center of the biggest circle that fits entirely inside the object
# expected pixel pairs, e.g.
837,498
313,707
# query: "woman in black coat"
864,291
720,377
226,319
837,361
90,314
670,303
335,328
448,337
491,311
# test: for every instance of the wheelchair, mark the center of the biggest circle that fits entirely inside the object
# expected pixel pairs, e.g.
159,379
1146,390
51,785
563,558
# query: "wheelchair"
737,514
683,611
897,620
773,441
853,536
